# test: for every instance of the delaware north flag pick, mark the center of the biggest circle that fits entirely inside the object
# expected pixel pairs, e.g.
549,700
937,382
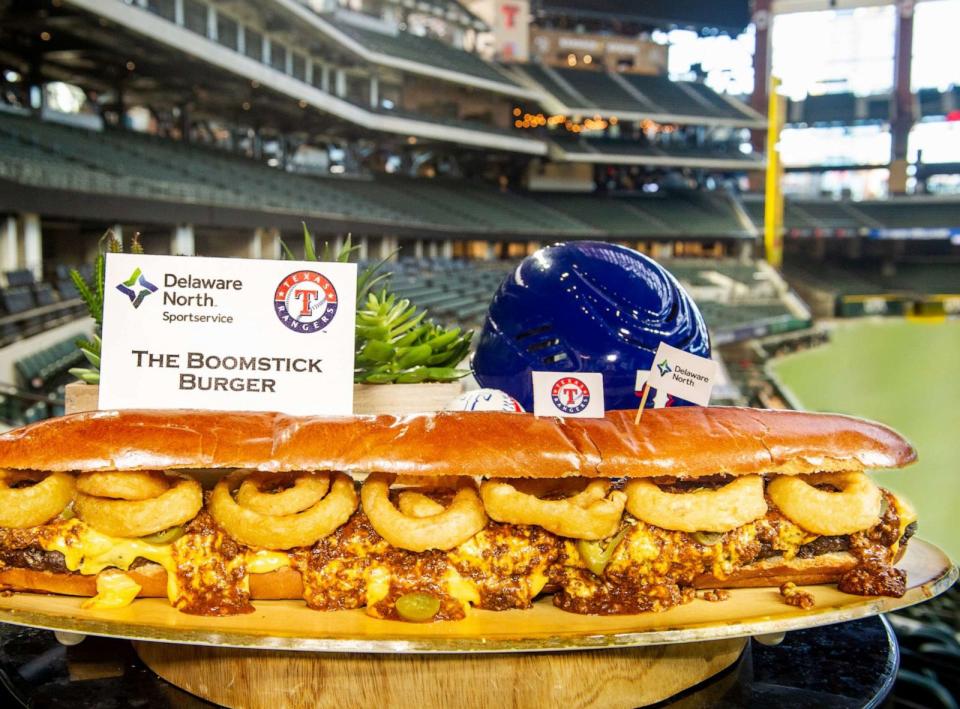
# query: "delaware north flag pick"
681,374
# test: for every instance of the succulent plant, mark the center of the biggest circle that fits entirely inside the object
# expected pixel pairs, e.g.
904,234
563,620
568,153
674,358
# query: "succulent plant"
396,343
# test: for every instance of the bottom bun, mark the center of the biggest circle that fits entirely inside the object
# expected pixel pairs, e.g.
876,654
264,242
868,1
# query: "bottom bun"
286,584
275,585
151,577
824,568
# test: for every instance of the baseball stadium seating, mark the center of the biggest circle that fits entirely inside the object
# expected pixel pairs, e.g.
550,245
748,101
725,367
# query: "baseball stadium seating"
38,370
28,307
125,163
826,215
636,93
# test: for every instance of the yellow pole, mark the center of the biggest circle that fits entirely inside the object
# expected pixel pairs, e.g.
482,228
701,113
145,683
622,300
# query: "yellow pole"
773,206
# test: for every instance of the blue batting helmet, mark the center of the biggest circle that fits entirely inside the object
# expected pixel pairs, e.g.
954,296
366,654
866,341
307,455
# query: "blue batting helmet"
585,307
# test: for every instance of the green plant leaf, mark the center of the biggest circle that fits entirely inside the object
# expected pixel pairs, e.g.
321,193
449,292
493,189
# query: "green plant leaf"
377,378
309,252
86,375
414,356
368,285
99,281
89,298
92,357
413,376
413,335
442,340
376,351
372,332
346,249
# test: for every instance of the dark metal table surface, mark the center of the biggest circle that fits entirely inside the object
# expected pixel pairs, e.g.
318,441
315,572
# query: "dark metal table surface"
849,665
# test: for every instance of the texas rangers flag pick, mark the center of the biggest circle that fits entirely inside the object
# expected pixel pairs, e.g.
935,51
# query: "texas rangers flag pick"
680,374
568,394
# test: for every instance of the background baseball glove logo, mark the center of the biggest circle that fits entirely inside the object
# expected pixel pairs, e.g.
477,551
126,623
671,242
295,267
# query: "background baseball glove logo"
305,301
570,395
137,287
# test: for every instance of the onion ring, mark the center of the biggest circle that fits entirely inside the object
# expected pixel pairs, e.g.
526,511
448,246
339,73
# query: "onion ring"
22,507
416,504
580,491
139,518
457,523
592,513
134,485
283,531
307,489
856,507
559,487
703,510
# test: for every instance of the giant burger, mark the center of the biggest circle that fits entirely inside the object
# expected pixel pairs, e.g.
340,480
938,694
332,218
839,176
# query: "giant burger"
424,517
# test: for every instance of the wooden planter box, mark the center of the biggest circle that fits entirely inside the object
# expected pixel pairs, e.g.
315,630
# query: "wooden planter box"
367,398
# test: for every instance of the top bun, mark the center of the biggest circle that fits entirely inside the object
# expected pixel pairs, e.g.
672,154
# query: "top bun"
675,442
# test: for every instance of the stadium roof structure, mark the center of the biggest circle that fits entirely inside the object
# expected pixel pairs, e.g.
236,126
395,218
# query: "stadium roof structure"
635,97
731,16
95,38
94,44
379,44
449,10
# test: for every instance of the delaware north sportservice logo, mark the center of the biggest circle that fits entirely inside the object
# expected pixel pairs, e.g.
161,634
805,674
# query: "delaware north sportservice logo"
305,301
570,395
664,367
137,288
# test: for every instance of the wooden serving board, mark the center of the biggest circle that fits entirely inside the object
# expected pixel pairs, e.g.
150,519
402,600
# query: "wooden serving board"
290,625
263,679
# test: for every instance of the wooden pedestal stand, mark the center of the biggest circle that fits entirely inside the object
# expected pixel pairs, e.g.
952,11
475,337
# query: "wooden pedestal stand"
263,679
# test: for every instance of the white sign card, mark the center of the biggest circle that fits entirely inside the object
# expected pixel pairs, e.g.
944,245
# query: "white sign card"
568,394
681,374
641,382
228,333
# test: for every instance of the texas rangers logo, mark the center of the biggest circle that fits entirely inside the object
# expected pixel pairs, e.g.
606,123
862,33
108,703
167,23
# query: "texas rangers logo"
305,301
570,395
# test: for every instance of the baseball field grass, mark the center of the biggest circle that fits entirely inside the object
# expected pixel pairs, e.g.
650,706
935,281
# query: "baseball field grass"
905,374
